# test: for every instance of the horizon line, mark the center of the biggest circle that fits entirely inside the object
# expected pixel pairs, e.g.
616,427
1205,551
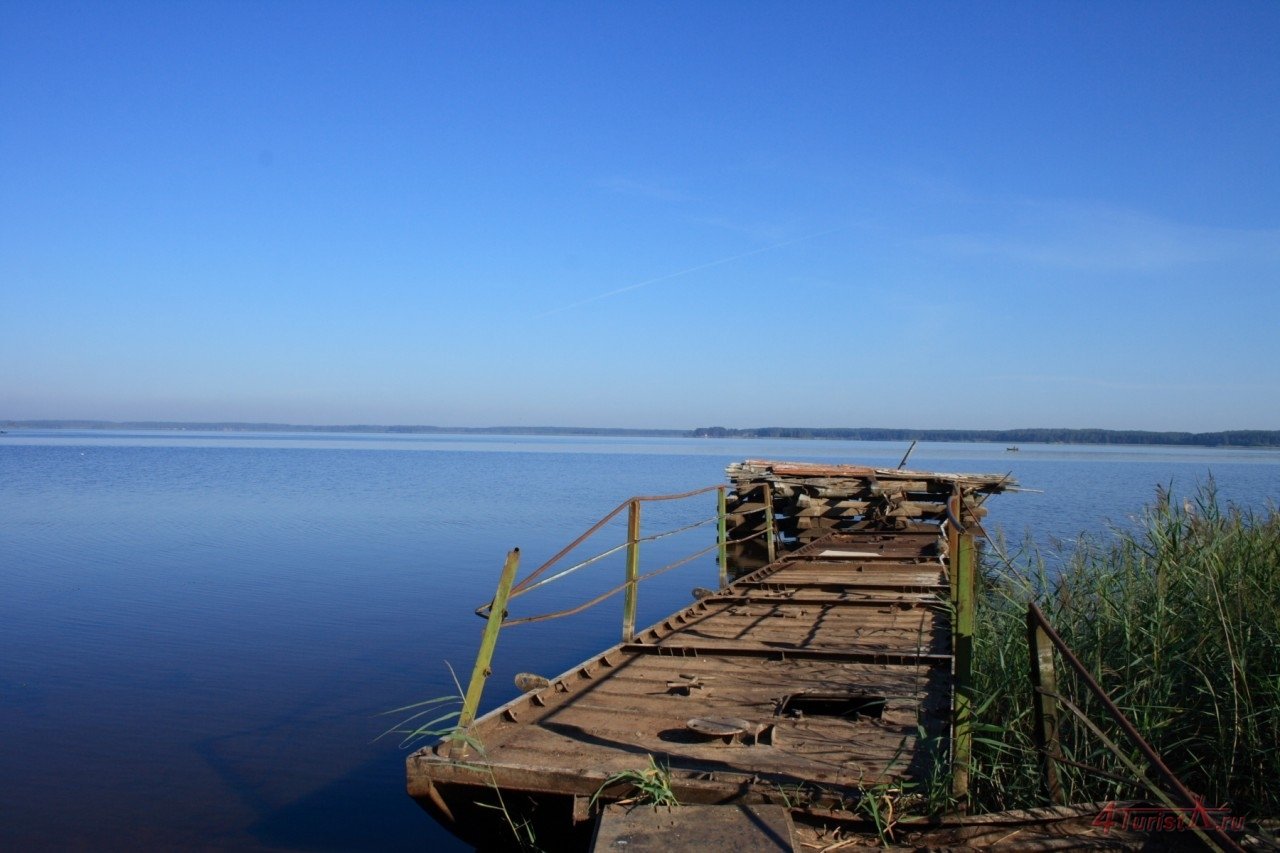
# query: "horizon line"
241,425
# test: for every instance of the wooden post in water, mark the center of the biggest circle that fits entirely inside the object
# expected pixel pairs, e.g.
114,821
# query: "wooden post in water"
1044,682
633,572
963,567
722,537
489,640
769,533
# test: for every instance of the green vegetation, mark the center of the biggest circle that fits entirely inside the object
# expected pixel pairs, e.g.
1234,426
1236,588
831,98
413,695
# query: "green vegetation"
1230,438
651,785
1180,623
414,731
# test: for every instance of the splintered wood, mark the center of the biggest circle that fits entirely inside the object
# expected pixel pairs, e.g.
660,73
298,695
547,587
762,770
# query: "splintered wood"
810,501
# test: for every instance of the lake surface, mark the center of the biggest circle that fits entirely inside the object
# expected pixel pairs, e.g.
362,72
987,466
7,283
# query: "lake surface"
200,631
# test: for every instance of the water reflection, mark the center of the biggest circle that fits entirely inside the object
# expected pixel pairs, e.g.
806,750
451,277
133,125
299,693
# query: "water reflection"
204,627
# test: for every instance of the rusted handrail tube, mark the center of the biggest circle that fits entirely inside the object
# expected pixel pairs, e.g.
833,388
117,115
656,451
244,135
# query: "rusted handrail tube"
675,497
953,512
755,535
526,586
653,537
1190,801
1138,774
543,617
601,523
483,610
1089,768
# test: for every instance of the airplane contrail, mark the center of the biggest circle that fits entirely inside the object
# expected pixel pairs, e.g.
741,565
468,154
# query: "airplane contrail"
678,273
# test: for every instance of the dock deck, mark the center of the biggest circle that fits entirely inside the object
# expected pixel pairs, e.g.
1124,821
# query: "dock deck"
806,682
821,700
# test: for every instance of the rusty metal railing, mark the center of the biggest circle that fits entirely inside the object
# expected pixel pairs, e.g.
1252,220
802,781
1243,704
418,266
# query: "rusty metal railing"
1042,639
495,611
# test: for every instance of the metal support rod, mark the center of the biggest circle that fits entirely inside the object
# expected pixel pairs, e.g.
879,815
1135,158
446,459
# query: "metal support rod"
1044,683
633,572
906,456
1194,805
722,536
489,640
770,535
537,573
963,568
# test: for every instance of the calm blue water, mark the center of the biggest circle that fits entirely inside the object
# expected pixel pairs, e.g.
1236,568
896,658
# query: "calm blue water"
199,630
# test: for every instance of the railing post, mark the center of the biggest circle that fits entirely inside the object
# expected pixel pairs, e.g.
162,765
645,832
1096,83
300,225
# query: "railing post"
633,572
953,535
489,640
769,533
722,536
963,577
1043,683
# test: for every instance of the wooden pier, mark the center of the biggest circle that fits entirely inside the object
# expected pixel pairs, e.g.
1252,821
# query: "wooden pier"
821,678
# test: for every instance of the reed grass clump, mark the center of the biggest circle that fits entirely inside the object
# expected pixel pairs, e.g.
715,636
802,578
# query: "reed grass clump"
1179,620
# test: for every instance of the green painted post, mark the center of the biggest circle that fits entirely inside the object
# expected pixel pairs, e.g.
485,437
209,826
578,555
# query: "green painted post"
489,641
965,569
953,537
1043,683
722,536
633,572
770,537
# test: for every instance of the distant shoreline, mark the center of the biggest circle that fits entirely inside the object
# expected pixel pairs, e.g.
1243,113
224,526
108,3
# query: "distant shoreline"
1012,437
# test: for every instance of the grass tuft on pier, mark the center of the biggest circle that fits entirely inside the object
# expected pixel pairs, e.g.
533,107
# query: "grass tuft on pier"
1179,620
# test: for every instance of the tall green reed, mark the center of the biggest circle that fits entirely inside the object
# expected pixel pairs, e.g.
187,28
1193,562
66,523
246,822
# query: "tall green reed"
1179,620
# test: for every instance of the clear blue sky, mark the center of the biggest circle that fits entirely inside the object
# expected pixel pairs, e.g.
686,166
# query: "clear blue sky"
971,215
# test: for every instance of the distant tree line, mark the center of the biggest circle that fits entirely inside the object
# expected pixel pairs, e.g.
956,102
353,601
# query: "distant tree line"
1229,438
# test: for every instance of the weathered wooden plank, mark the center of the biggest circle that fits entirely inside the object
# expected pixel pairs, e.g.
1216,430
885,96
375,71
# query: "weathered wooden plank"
739,828
834,577
760,623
